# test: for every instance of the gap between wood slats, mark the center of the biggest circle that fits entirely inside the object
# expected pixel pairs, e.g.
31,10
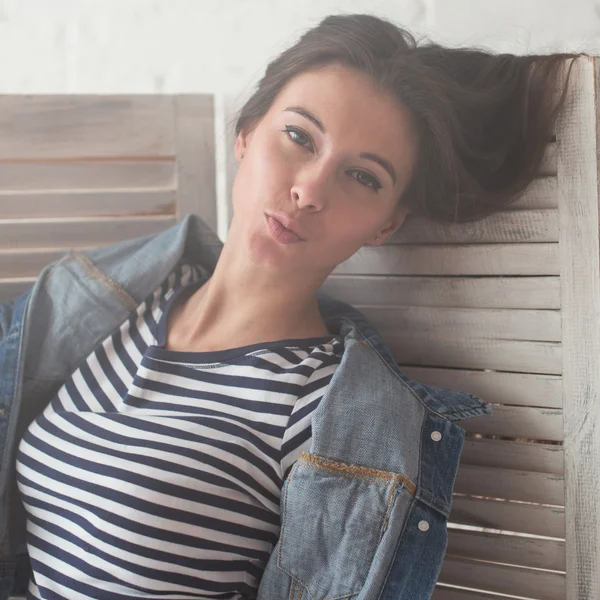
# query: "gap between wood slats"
87,176
503,579
77,232
522,456
542,193
477,259
446,592
523,389
469,353
48,126
507,516
501,227
510,484
451,292
138,202
522,551
458,323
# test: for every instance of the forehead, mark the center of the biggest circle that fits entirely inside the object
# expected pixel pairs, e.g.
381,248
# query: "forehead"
352,110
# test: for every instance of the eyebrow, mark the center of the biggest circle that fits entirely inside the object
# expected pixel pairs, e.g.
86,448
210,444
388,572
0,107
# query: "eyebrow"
382,162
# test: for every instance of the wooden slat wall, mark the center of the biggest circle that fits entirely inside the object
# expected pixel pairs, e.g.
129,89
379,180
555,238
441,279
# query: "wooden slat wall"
508,308
85,171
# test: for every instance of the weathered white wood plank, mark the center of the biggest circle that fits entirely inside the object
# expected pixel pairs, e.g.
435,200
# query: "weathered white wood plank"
452,292
503,579
502,388
515,226
456,323
445,592
509,549
77,232
27,263
87,175
65,126
510,484
476,259
505,454
527,422
541,193
468,353
579,192
196,160
137,202
506,515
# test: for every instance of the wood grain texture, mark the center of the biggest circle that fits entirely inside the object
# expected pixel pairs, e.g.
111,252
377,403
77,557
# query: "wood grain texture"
196,161
445,592
503,579
505,548
519,455
510,484
138,202
530,325
578,193
87,175
523,389
504,227
66,126
505,515
77,232
451,292
475,259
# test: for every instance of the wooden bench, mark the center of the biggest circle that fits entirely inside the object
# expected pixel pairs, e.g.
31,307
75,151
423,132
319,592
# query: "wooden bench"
507,308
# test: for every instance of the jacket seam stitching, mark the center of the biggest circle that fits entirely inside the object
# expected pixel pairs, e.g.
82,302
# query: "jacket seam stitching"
109,284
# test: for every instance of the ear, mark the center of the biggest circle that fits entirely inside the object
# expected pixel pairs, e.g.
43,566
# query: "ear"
394,223
241,144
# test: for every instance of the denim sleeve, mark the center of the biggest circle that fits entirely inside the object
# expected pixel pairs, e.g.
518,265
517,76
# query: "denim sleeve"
6,309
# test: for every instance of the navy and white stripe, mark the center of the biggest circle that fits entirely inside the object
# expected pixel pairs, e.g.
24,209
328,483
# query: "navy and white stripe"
157,474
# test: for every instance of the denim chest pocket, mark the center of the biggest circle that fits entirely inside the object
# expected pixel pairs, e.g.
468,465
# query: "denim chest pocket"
333,517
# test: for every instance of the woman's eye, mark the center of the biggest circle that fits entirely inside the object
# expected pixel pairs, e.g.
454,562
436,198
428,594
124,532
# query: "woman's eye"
297,136
367,180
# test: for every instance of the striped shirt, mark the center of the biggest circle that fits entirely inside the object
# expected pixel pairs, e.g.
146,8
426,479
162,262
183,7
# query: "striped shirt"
157,474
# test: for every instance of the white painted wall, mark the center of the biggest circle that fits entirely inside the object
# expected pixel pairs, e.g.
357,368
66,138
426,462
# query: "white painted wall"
222,46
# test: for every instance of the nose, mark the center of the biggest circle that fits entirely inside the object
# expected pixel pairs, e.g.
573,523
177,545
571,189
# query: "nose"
310,189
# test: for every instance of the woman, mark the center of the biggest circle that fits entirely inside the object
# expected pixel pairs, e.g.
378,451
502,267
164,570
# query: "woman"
191,421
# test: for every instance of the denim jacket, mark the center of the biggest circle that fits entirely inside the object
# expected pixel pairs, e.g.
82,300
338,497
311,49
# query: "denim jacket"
363,513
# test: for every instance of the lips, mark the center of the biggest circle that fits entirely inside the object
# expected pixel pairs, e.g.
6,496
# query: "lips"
286,222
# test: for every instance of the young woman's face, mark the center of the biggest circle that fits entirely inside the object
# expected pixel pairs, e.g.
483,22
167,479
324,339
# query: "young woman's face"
332,153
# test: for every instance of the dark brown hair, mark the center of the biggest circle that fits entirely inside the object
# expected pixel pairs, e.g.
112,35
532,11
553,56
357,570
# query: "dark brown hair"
484,119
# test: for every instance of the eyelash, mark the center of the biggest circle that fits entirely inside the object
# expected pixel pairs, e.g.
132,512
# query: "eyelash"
374,183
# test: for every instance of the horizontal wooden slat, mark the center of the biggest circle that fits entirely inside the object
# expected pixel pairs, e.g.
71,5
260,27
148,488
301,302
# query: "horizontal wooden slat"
11,288
505,454
528,422
477,259
51,127
542,193
88,204
502,388
498,355
502,227
27,263
504,579
445,592
453,292
456,323
77,232
87,175
506,548
510,484
509,516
